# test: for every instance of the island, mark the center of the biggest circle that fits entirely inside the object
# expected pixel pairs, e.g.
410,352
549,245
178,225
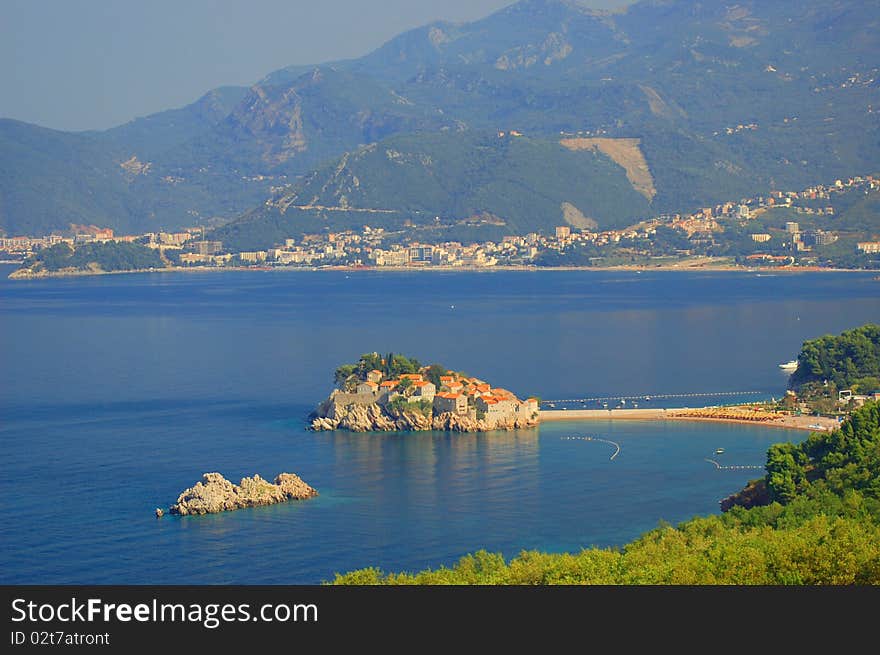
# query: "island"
396,393
813,518
214,493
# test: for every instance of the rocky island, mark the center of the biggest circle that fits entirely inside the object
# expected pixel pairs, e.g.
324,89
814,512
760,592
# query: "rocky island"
214,493
396,393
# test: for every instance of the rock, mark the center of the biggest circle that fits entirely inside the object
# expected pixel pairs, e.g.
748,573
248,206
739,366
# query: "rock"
293,486
363,418
464,423
366,412
332,415
412,421
324,423
335,415
214,493
456,423
754,494
159,512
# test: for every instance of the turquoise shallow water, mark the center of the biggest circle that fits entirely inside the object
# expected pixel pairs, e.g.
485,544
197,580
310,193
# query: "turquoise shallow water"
119,391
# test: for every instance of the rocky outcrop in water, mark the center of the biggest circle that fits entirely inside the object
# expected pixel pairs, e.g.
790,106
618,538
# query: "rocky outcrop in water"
355,417
334,414
464,423
396,393
214,493
369,418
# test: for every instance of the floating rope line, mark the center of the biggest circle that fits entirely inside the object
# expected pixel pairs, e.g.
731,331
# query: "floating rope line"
737,467
608,441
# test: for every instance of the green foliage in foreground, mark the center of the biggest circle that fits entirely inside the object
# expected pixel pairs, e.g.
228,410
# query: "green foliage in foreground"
825,529
109,256
823,550
846,460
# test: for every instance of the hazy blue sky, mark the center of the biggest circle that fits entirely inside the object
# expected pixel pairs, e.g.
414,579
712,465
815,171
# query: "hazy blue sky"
92,64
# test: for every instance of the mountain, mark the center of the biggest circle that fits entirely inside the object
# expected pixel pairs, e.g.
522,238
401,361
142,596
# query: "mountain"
723,102
152,135
464,182
46,174
694,102
117,178
291,128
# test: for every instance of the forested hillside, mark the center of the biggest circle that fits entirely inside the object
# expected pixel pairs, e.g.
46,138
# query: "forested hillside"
725,101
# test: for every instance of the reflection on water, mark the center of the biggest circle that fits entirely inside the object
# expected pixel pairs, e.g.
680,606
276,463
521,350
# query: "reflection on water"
423,470
120,391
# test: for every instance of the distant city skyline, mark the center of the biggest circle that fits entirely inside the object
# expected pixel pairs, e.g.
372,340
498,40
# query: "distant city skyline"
80,66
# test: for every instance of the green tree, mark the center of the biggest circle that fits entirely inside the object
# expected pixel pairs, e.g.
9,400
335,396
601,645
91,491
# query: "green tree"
369,362
108,256
866,384
842,360
400,365
433,373
343,373
785,474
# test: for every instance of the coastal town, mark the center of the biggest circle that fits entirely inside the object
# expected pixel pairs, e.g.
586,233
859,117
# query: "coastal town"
431,398
733,231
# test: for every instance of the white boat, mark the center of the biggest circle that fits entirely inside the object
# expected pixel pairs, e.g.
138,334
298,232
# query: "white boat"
789,366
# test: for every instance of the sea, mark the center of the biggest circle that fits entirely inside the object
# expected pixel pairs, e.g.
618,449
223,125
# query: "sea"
119,391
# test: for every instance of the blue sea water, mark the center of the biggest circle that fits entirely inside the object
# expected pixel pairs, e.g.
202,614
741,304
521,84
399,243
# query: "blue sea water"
117,392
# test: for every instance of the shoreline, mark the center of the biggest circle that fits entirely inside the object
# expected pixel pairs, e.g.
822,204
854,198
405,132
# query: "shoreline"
713,268
672,414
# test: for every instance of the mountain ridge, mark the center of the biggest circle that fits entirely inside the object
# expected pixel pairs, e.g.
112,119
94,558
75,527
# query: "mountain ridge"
725,100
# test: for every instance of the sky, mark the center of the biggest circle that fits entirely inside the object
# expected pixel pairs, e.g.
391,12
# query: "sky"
93,64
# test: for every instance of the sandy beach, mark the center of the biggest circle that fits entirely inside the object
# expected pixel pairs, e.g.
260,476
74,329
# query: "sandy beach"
685,414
